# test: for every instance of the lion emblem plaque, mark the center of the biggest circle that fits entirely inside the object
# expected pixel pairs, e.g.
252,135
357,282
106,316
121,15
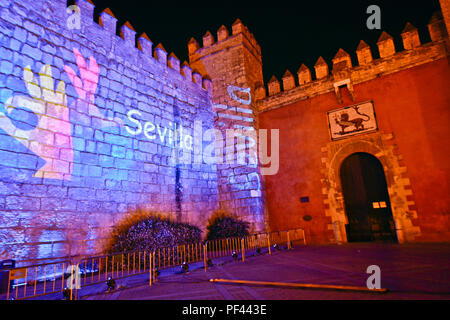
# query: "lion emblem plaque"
352,120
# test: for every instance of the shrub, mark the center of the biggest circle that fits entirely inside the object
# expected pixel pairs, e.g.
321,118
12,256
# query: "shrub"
147,231
223,225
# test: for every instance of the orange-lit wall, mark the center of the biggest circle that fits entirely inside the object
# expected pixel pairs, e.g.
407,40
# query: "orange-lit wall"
412,104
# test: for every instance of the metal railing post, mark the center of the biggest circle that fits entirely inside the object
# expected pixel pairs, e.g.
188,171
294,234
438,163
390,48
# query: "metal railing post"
205,253
150,269
71,282
9,282
154,266
76,280
288,241
243,249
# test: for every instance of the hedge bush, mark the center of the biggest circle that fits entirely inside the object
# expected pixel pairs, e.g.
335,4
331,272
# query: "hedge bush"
223,225
147,231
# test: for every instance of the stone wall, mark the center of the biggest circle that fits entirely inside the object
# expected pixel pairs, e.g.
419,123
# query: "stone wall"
88,126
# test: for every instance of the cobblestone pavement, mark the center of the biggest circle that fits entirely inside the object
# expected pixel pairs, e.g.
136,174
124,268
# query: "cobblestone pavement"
411,271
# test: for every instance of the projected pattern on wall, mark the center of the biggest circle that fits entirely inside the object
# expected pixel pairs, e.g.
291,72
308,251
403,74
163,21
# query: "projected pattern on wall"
72,159
92,127
41,121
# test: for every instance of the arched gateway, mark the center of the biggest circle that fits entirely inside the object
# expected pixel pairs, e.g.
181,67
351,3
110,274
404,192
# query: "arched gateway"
401,198
366,199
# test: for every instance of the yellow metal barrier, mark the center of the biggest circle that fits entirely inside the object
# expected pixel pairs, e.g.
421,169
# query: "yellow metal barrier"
50,278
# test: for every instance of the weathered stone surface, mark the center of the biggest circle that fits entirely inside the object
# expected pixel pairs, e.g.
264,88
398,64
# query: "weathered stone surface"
96,167
235,65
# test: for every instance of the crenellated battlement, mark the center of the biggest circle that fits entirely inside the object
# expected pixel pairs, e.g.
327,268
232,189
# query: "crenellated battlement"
108,22
329,76
210,44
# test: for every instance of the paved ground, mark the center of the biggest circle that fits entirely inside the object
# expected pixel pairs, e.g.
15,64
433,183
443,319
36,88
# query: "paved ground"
412,271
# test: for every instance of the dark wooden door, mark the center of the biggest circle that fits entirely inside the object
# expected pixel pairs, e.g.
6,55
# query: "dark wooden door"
366,199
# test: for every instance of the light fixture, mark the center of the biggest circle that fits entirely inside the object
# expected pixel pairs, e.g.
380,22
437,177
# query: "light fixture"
66,294
111,283
234,255
185,267
157,273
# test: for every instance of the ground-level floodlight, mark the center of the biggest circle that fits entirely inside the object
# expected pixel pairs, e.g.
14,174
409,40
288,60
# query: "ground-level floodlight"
66,294
111,283
185,267
234,255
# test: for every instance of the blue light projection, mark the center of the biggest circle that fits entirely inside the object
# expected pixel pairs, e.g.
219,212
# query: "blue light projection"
92,127
41,121
246,141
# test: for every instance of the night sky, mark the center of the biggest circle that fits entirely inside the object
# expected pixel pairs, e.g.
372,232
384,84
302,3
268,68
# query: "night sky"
289,35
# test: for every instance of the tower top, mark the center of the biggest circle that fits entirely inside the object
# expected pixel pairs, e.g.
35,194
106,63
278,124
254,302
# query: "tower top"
240,33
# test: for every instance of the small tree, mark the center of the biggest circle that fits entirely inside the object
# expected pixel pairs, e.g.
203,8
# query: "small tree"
223,225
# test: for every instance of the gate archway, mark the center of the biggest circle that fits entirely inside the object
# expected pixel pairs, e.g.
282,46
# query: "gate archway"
366,199
381,146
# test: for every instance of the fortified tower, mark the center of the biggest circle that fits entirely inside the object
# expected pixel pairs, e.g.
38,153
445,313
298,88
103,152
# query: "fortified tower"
233,62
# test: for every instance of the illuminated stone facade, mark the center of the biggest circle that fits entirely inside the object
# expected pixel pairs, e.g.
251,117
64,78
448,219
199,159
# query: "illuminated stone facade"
409,91
88,126
93,125
234,62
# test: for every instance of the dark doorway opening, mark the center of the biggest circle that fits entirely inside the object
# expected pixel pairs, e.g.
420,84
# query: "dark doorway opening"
366,200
